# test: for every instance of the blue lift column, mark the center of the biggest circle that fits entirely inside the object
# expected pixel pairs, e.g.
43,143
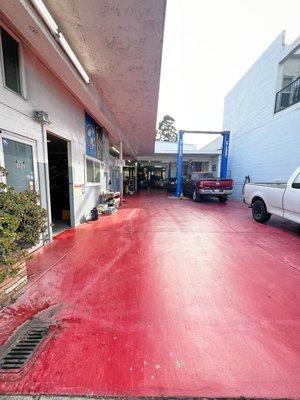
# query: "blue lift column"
224,157
179,163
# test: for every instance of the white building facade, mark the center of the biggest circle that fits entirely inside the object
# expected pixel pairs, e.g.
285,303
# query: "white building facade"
23,140
262,112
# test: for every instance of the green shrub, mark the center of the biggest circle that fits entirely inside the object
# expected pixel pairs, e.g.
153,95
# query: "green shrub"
22,221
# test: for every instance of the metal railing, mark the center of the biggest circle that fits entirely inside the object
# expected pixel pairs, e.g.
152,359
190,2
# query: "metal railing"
288,96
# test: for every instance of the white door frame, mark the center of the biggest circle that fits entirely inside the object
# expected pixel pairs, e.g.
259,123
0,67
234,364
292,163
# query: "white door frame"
31,142
71,177
21,139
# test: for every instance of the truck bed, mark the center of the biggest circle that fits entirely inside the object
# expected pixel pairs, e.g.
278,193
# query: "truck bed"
274,198
279,185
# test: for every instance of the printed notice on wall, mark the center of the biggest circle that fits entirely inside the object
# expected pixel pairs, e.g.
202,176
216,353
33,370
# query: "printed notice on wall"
77,189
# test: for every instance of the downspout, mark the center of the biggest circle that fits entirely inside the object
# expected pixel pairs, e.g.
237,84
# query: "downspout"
121,171
47,182
135,178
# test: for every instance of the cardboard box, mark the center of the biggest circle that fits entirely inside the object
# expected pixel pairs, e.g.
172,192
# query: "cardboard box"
66,215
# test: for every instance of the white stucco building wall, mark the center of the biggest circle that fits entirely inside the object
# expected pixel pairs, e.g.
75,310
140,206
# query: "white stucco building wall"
43,91
264,145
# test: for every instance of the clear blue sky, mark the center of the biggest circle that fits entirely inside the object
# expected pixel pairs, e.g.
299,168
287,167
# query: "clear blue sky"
208,46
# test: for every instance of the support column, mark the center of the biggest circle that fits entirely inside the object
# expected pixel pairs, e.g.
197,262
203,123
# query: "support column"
225,151
121,172
219,165
179,163
135,176
47,181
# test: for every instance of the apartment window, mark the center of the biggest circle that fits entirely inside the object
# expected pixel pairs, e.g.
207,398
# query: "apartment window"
11,62
92,171
287,80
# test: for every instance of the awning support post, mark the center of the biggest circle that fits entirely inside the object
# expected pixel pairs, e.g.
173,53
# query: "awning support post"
224,157
121,172
179,163
135,176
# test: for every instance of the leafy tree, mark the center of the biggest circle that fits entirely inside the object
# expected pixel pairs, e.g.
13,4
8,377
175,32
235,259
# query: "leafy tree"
166,131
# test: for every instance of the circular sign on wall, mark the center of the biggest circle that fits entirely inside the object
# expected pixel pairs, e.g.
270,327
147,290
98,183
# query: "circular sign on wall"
91,137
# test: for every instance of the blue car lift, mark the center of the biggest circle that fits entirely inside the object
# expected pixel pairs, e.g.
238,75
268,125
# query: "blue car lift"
224,157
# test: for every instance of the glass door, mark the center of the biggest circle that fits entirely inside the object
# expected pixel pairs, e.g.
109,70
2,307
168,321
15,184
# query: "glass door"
19,162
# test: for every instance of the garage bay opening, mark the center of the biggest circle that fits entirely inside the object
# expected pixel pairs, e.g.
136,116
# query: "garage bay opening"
59,182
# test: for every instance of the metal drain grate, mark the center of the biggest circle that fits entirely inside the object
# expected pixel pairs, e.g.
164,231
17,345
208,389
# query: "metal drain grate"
23,349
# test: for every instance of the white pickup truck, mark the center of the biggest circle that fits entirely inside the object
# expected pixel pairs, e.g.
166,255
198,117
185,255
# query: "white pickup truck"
281,199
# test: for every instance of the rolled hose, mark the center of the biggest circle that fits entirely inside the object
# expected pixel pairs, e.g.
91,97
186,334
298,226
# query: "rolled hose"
246,180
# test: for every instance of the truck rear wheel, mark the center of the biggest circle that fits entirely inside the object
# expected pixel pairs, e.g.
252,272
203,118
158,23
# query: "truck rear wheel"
259,211
196,196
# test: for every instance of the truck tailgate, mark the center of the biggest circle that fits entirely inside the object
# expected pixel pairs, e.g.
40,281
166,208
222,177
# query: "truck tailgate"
217,184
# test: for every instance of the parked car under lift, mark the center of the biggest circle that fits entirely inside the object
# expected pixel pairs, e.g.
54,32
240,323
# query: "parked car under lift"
171,184
204,184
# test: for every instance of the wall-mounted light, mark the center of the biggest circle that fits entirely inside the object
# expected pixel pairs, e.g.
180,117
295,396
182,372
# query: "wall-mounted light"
52,25
44,13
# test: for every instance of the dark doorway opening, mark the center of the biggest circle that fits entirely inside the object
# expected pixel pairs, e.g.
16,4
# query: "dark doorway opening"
59,183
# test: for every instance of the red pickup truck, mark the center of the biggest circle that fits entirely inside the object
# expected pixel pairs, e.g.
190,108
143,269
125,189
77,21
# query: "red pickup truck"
205,184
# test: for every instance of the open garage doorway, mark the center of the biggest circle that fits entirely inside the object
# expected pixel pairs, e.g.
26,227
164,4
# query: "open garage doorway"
59,183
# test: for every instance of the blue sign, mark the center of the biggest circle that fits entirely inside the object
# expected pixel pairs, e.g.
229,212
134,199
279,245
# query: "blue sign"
90,136
94,138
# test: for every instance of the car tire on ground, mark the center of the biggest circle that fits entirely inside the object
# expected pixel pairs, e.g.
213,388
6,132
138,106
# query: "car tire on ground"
223,199
259,211
196,196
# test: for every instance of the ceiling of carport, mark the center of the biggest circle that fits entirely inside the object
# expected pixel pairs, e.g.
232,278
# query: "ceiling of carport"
119,44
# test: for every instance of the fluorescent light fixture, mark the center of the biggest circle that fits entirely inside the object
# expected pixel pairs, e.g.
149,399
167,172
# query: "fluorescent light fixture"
115,149
73,58
52,25
44,13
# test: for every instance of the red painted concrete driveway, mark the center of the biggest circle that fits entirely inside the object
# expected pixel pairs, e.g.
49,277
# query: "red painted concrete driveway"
167,298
